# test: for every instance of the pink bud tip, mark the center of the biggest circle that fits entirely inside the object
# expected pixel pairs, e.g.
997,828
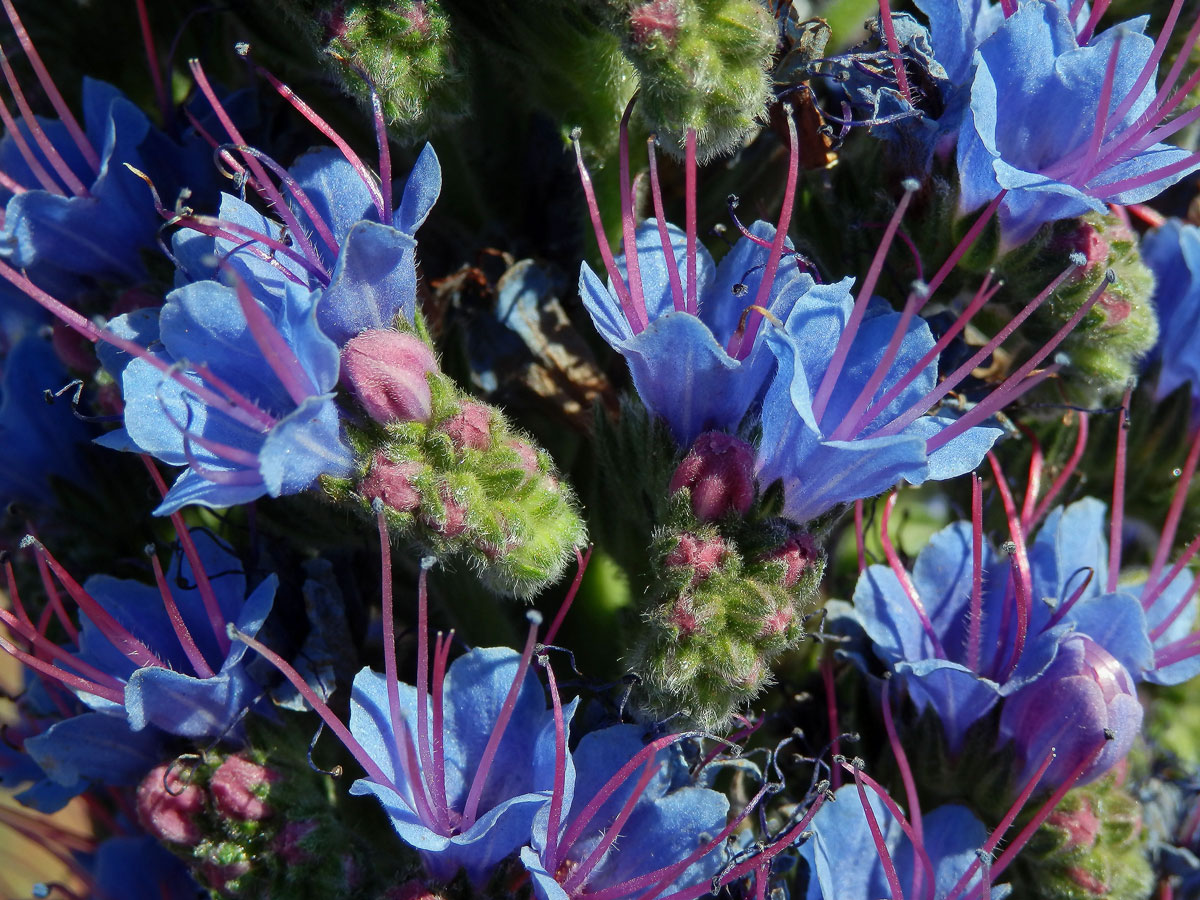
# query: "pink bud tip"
658,19
1115,309
1088,240
233,788
778,622
471,429
704,556
799,552
529,457
289,840
392,483
454,522
389,373
683,617
719,472
168,806
1081,826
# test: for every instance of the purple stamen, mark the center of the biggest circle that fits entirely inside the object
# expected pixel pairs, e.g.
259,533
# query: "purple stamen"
628,226
560,770
582,560
578,878
1171,525
48,652
885,858
745,340
9,184
1093,20
326,129
689,200
889,32
1137,181
439,807
225,452
275,350
951,381
906,775
31,160
233,232
1076,8
1009,7
74,185
610,265
1033,479
403,748
208,596
65,678
918,844
52,94
119,636
265,188
319,706
385,154
493,745
902,576
259,419
975,628
217,476
56,603
1117,520
319,224
1184,601
831,712
1176,651
745,232
1151,65
441,653
160,90
1023,582
1063,476
1071,601
195,657
664,237
1001,829
842,350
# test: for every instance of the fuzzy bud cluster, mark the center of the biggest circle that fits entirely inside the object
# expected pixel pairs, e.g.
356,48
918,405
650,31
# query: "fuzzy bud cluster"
450,472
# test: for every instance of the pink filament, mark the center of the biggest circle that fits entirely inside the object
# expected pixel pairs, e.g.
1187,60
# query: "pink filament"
74,185
554,820
35,166
831,712
1171,525
186,641
689,194
664,237
889,32
633,264
1117,521
385,155
1023,582
885,857
582,560
906,775
1068,470
1033,481
1150,595
160,90
275,350
905,581
578,878
440,810
975,628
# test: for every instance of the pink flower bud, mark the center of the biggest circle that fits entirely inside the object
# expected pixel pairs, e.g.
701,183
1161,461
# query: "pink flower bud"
392,483
683,616
704,556
233,789
655,20
288,842
471,429
168,806
388,371
719,472
799,552
529,457
454,522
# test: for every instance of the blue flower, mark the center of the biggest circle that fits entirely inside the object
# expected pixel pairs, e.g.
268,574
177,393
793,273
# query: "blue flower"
1085,155
847,863
960,652
140,868
470,802
267,323
615,827
1173,254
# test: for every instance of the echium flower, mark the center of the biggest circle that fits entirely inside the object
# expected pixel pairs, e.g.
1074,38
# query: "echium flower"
1105,144
1172,251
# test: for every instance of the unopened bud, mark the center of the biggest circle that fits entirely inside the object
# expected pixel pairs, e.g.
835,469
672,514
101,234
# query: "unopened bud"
289,842
471,428
798,552
655,20
388,371
393,483
719,473
168,806
236,787
453,522
704,556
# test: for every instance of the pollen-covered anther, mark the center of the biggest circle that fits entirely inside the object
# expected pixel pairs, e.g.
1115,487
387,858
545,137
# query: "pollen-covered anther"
389,373
719,473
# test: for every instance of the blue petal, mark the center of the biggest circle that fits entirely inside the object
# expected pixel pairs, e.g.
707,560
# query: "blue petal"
421,191
335,190
375,280
96,747
958,696
303,446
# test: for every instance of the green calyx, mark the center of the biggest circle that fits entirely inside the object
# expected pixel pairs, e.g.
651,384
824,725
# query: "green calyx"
466,484
701,64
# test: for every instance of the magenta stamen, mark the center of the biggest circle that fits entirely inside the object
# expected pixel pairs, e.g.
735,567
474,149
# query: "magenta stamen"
889,32
1023,583
56,603
1106,89
493,744
1076,7
926,864
441,652
160,90
1150,216
402,741
690,227
1009,7
1154,130
581,560
225,452
1085,35
275,350
1184,648
74,682
1184,601
51,91
1117,521
218,476
951,381
1129,184
119,636
320,707
664,237
761,877
628,226
44,649
263,421
1071,601
49,151
319,224
337,140
578,878
742,342
906,775
1167,539
1151,65
385,155
35,166
1063,476
235,167
610,265
860,537
1033,480
982,296
902,576
264,187
959,252
195,657
885,858
554,821
831,713
7,182
975,627
1001,829
908,243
